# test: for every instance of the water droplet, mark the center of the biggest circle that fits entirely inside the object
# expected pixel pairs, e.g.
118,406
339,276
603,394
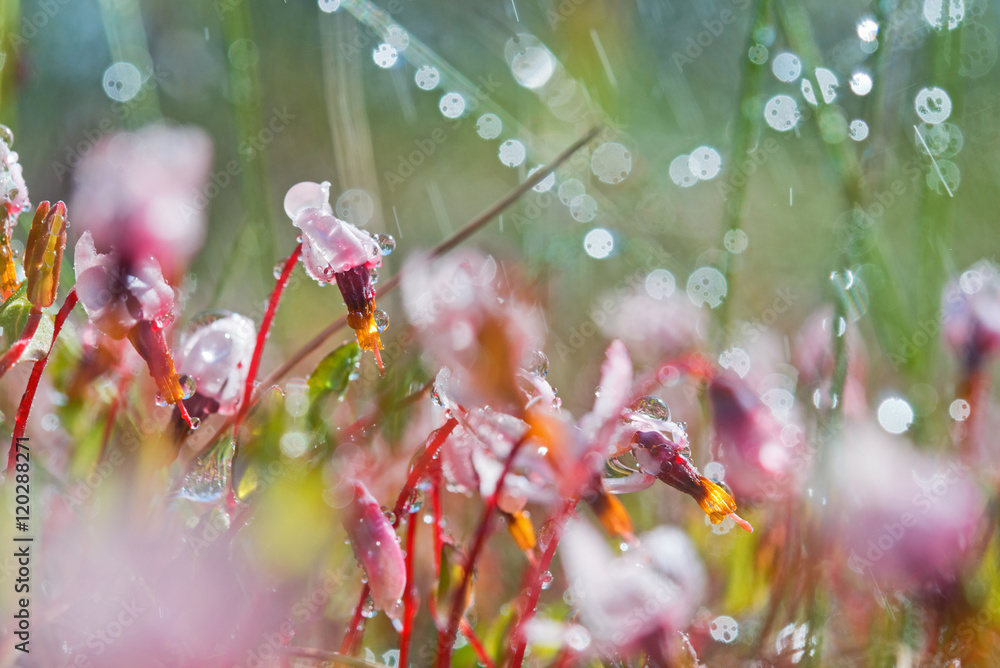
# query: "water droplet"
786,67
735,241
680,172
373,274
934,13
867,29
781,113
736,359
537,363
427,77
385,55
828,83
195,422
546,579
952,177
532,65
960,410
390,516
122,81
452,105
436,397
933,105
512,153
329,6
159,400
207,477
368,609
704,162
611,162
706,285
598,243
858,130
385,243
651,406
489,126
6,136
758,54
583,208
397,37
381,319
724,629
188,386
570,189
852,292
861,83
279,267
895,415
355,206
660,284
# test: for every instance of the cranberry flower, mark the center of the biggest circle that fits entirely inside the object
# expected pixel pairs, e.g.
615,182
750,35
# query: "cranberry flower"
335,250
141,194
375,546
216,354
13,200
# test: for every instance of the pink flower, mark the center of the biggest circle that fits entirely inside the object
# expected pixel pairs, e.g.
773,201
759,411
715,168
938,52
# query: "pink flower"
216,354
116,299
907,519
467,321
655,328
764,458
142,193
971,311
375,546
634,601
334,250
13,191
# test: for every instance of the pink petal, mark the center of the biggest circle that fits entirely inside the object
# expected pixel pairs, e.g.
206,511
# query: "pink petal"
375,546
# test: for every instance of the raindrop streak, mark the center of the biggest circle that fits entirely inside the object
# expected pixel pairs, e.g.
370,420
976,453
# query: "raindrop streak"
706,285
598,243
489,126
512,153
611,162
937,168
452,105
786,67
660,284
781,113
427,77
895,415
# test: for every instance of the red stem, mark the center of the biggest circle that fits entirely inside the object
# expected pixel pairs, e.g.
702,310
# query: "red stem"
477,644
409,609
265,328
24,408
357,625
536,586
447,641
436,505
13,354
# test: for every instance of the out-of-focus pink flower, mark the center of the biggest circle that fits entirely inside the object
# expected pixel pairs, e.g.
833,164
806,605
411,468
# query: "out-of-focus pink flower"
13,191
216,354
142,193
115,299
470,323
908,519
813,357
636,600
375,546
763,457
971,312
654,328
335,250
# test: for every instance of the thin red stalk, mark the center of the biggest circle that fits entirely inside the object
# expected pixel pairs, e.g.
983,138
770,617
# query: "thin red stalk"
447,641
536,586
409,608
24,408
436,505
265,329
477,644
357,625
14,353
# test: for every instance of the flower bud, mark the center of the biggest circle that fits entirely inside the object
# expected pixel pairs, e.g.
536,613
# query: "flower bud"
43,253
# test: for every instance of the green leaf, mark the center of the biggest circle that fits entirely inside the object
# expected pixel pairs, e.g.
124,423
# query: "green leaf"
14,313
335,372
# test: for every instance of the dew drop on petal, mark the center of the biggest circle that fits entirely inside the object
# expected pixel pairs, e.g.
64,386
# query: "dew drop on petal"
427,77
385,243
706,285
545,184
159,400
537,363
735,241
933,105
512,153
960,410
452,105
680,172
611,162
781,113
651,406
598,243
660,284
385,56
895,415
489,126
858,130
570,189
583,208
786,67
381,319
